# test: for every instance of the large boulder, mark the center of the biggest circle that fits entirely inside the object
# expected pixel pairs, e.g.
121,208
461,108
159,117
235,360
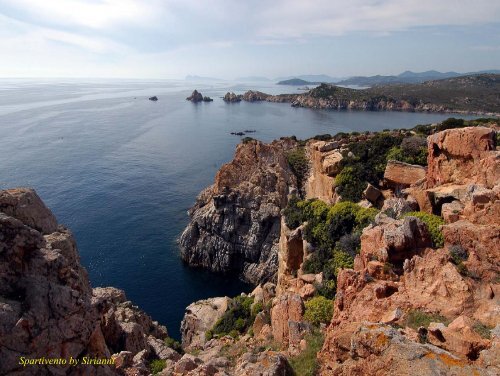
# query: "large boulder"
200,317
264,364
463,156
288,308
332,163
377,349
401,175
25,205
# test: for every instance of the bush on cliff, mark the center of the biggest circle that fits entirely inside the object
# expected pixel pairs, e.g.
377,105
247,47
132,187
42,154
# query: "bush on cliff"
451,123
174,345
299,164
306,363
157,365
365,165
319,310
413,150
237,319
433,223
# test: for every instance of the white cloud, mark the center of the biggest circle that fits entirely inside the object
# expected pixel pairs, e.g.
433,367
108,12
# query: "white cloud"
92,14
122,36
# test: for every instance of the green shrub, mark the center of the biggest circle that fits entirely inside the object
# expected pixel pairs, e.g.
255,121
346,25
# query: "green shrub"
306,363
433,223
412,150
417,318
299,164
340,260
450,123
256,308
237,318
293,214
327,289
367,165
365,217
157,365
318,310
350,183
173,344
209,334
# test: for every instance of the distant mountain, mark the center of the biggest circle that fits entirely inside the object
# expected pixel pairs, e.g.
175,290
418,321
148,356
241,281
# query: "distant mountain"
296,82
311,78
407,77
252,79
200,78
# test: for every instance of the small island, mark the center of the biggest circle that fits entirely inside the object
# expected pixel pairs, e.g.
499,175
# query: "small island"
196,97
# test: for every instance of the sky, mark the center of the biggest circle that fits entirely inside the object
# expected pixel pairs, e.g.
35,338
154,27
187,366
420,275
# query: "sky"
161,39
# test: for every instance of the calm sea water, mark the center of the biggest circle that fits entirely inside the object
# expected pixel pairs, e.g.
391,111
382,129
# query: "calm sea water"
121,171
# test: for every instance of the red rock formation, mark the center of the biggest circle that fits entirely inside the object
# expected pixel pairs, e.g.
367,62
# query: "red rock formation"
463,156
458,282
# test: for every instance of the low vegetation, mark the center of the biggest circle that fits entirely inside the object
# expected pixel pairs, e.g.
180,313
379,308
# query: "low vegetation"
363,163
483,330
417,318
299,164
173,344
334,231
412,150
433,223
306,363
156,366
458,255
452,123
319,310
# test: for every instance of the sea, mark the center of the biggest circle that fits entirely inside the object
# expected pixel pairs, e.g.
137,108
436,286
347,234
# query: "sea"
121,171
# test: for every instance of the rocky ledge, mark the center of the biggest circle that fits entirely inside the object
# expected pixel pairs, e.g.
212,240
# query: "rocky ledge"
235,223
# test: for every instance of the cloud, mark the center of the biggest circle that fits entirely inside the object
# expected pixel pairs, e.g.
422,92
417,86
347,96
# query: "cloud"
117,35
93,14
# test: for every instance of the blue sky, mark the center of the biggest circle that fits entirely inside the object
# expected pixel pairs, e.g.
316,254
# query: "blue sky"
228,39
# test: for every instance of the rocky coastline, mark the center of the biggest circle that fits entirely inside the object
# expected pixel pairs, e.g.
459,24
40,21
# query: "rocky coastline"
418,295
463,95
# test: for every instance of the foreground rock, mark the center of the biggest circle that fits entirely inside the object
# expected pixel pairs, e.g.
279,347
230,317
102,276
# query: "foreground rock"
235,223
47,306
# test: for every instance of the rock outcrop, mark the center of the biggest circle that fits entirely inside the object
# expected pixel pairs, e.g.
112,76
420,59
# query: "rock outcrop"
402,175
199,317
463,156
232,98
235,223
398,276
47,306
196,97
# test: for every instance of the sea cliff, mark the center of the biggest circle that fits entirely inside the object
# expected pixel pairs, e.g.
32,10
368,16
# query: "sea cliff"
392,271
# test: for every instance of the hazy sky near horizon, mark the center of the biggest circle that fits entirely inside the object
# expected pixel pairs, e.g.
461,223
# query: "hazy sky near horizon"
228,39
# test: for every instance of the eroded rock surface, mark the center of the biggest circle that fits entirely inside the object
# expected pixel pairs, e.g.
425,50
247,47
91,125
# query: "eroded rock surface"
47,306
235,223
